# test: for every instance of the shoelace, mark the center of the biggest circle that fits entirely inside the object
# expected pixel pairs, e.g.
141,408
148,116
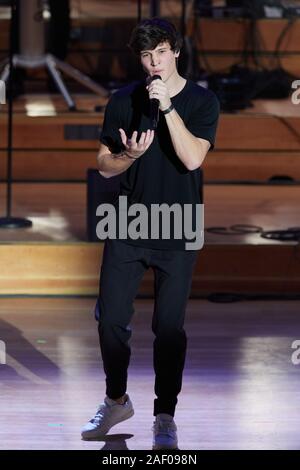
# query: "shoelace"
164,427
100,413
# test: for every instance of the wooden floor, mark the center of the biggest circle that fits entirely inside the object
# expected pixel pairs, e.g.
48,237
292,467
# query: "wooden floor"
240,389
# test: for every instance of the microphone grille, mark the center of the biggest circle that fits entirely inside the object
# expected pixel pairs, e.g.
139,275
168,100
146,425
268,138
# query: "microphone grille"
156,77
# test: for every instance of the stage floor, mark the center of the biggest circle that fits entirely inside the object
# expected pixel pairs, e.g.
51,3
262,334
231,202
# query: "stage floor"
240,389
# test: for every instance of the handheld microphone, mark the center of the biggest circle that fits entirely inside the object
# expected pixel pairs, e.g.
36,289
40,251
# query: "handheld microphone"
154,106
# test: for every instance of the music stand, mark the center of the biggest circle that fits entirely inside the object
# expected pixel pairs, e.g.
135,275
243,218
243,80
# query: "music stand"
8,221
32,53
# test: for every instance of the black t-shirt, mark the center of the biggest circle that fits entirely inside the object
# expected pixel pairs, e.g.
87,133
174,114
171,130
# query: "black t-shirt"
159,176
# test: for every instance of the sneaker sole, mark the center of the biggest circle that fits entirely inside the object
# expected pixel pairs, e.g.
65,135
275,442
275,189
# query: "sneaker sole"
98,434
163,447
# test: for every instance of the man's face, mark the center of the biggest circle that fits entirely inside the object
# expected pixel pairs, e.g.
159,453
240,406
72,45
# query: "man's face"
159,61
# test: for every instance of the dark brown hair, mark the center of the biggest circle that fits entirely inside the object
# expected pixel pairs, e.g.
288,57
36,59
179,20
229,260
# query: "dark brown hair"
148,34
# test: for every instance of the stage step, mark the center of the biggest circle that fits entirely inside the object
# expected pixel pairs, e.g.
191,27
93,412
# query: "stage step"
231,165
73,269
53,257
241,131
53,145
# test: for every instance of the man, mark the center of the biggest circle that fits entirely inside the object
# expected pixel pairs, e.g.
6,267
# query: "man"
156,166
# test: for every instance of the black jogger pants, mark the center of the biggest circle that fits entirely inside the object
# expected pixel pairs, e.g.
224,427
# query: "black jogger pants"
122,269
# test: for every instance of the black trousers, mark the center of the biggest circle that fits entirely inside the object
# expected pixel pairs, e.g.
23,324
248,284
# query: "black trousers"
122,270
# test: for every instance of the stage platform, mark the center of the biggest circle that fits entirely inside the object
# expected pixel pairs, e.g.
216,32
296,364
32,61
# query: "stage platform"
53,257
52,144
53,149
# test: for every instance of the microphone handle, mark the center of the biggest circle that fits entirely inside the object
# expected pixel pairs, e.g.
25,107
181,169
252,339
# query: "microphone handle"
154,112
154,106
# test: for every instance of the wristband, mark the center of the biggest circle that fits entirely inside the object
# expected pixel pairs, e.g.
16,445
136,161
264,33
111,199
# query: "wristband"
132,158
168,110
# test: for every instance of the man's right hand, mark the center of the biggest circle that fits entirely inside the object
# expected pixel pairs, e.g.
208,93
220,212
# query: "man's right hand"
136,149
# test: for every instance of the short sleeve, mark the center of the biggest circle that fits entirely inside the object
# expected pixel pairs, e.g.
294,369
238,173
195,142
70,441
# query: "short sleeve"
203,121
110,135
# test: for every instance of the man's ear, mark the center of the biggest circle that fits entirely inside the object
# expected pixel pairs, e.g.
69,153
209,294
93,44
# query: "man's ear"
177,53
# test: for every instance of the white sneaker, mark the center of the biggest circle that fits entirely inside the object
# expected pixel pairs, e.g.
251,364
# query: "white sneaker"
108,414
164,432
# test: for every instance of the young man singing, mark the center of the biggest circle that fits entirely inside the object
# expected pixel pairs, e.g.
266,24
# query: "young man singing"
157,166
